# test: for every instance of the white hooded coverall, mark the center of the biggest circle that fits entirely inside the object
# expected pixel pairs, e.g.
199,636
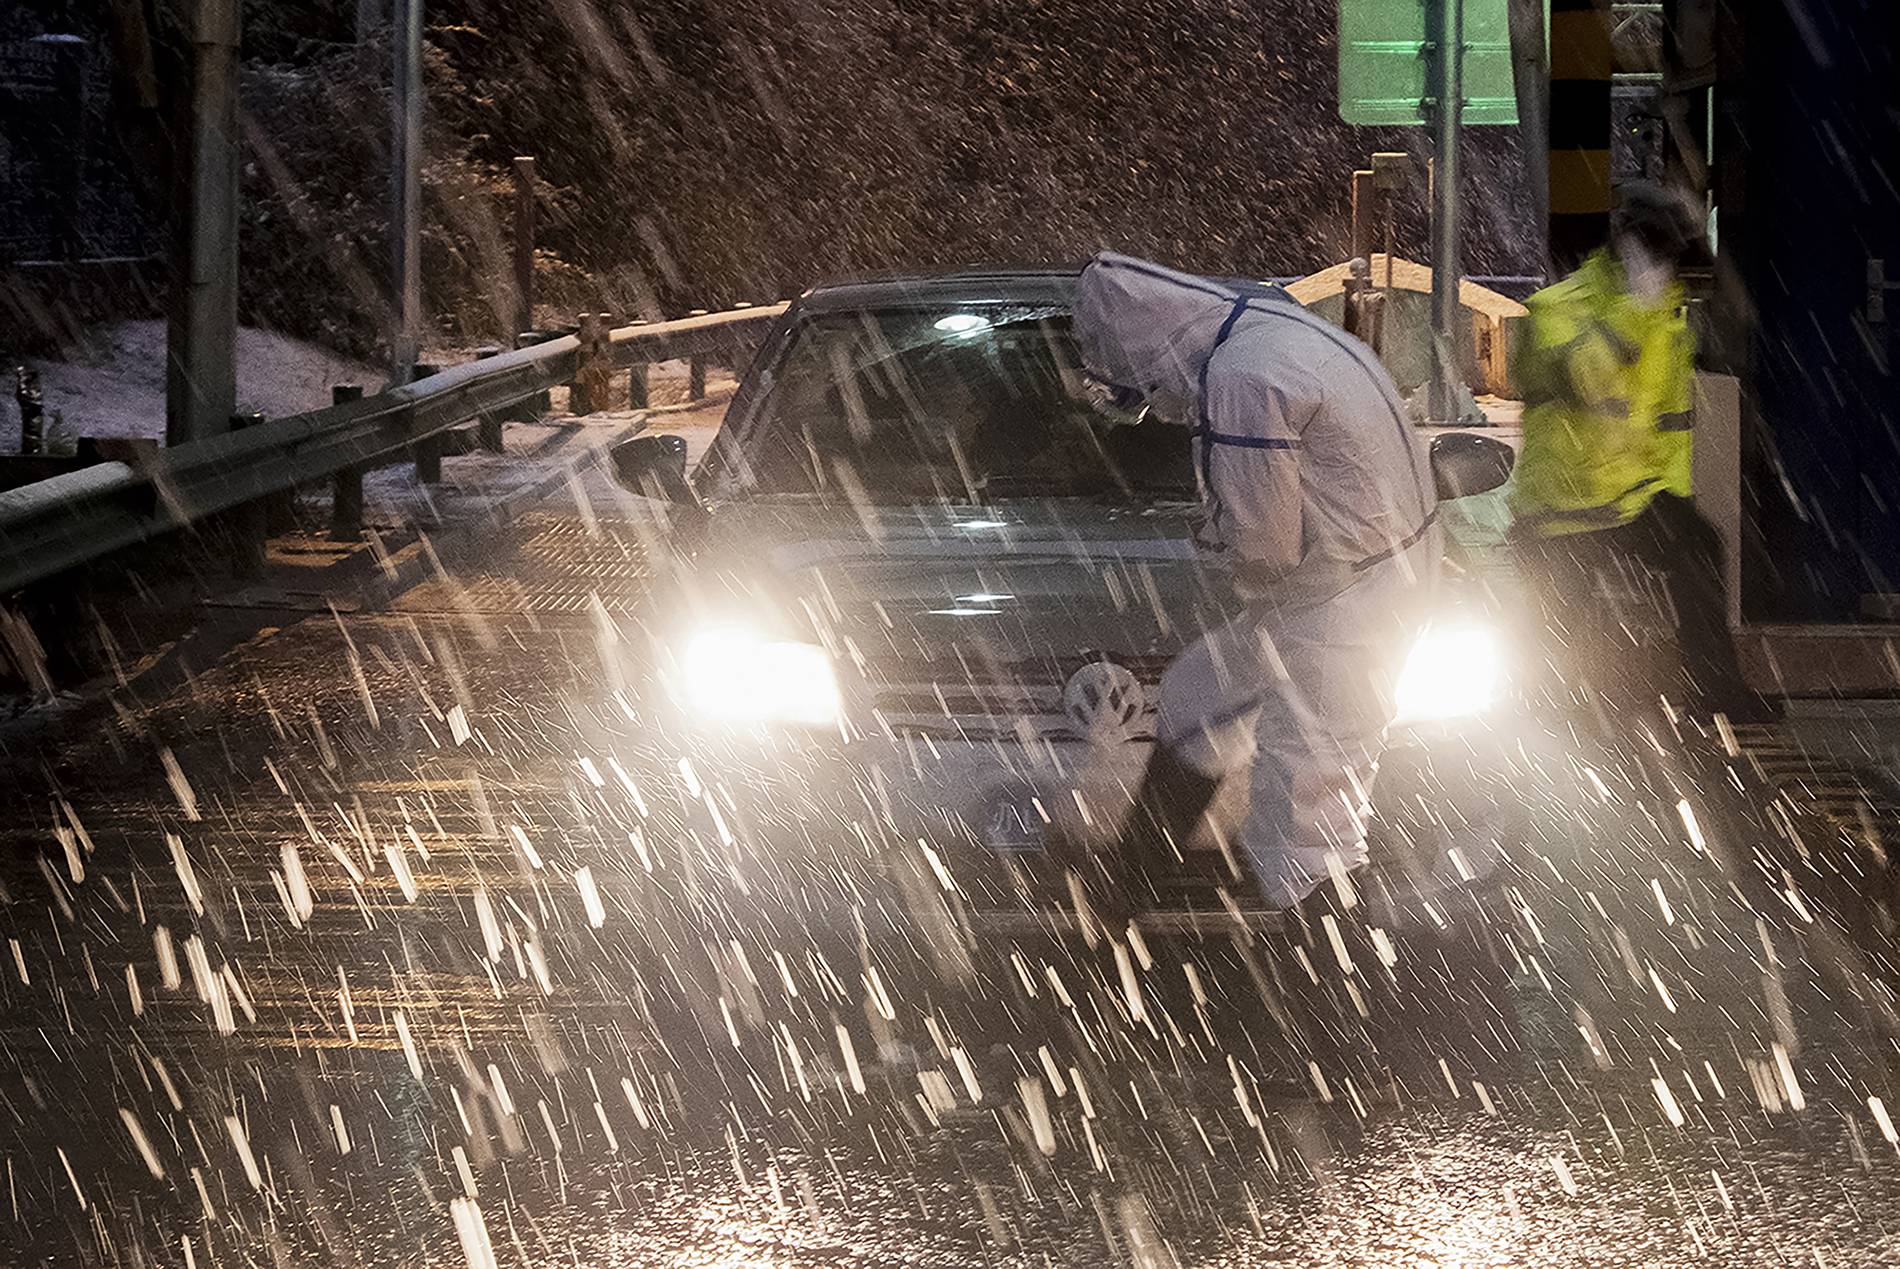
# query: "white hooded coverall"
1318,500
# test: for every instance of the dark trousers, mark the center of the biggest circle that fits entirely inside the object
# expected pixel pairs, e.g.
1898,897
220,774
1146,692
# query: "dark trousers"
1600,633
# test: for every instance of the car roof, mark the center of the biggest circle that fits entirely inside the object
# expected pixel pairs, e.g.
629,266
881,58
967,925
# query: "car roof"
1037,284
1041,285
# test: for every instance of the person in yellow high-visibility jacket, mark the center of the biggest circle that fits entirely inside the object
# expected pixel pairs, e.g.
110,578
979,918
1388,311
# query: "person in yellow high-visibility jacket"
1602,492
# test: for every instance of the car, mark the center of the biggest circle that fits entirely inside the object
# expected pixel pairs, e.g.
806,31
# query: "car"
925,592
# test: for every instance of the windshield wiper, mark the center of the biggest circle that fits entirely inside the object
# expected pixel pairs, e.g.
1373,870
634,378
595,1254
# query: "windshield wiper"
1093,487
1051,486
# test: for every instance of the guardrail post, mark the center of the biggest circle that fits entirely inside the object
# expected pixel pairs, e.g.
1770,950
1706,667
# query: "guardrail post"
577,402
346,487
248,523
593,369
428,450
488,428
696,369
531,410
638,398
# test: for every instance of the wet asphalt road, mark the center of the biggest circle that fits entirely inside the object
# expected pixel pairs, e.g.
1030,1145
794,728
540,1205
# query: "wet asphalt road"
400,939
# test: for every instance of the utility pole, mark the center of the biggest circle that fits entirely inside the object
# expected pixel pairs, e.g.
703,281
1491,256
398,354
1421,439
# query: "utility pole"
405,211
1448,43
201,336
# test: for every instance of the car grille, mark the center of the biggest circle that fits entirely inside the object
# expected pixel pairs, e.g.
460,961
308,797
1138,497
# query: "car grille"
1020,701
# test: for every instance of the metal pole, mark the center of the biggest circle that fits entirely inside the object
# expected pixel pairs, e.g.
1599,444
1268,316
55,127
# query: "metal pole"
1530,79
405,221
1449,120
524,243
201,360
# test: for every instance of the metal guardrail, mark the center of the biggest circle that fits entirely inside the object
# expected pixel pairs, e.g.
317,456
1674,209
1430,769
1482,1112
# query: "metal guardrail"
54,525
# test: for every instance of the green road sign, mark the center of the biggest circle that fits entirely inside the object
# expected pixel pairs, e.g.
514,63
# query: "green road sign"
1383,65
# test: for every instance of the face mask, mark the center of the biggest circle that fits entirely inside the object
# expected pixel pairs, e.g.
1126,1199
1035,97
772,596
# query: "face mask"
1648,274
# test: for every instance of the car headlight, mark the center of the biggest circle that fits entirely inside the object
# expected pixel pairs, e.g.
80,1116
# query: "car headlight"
1452,672
738,676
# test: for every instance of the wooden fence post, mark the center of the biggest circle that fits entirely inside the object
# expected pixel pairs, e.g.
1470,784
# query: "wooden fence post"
593,367
524,243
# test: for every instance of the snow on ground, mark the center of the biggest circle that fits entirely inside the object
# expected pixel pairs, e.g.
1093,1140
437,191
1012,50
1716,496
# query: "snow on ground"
557,457
115,385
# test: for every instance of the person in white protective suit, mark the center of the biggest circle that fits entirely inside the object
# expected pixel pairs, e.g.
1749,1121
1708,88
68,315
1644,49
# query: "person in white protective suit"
1318,501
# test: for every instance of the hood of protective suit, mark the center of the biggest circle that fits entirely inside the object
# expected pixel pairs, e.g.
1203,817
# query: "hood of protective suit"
1152,328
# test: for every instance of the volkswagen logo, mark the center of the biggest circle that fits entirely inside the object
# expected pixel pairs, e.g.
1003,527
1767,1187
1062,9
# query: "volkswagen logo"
1103,701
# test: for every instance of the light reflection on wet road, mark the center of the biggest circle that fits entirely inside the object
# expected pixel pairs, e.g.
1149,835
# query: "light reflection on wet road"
286,995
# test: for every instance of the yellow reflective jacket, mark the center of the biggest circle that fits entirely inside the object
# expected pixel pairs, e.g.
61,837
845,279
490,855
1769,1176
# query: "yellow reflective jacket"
1608,384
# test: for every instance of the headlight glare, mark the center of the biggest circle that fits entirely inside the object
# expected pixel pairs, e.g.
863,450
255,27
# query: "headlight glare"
738,676
1452,672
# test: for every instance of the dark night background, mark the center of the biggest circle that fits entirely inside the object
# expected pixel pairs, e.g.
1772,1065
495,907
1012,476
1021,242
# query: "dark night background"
698,152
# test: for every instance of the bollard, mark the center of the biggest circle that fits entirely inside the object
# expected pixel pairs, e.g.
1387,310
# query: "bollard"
346,488
428,450
488,429
32,401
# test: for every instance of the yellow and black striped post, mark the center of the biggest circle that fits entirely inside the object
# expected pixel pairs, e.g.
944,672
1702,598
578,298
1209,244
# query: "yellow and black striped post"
1580,66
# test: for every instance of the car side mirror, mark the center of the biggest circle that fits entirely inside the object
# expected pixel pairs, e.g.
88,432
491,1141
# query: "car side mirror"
653,467
1464,463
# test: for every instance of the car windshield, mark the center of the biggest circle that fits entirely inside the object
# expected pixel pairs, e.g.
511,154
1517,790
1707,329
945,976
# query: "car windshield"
961,405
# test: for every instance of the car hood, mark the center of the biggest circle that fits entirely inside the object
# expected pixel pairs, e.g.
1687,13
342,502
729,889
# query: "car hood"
993,605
